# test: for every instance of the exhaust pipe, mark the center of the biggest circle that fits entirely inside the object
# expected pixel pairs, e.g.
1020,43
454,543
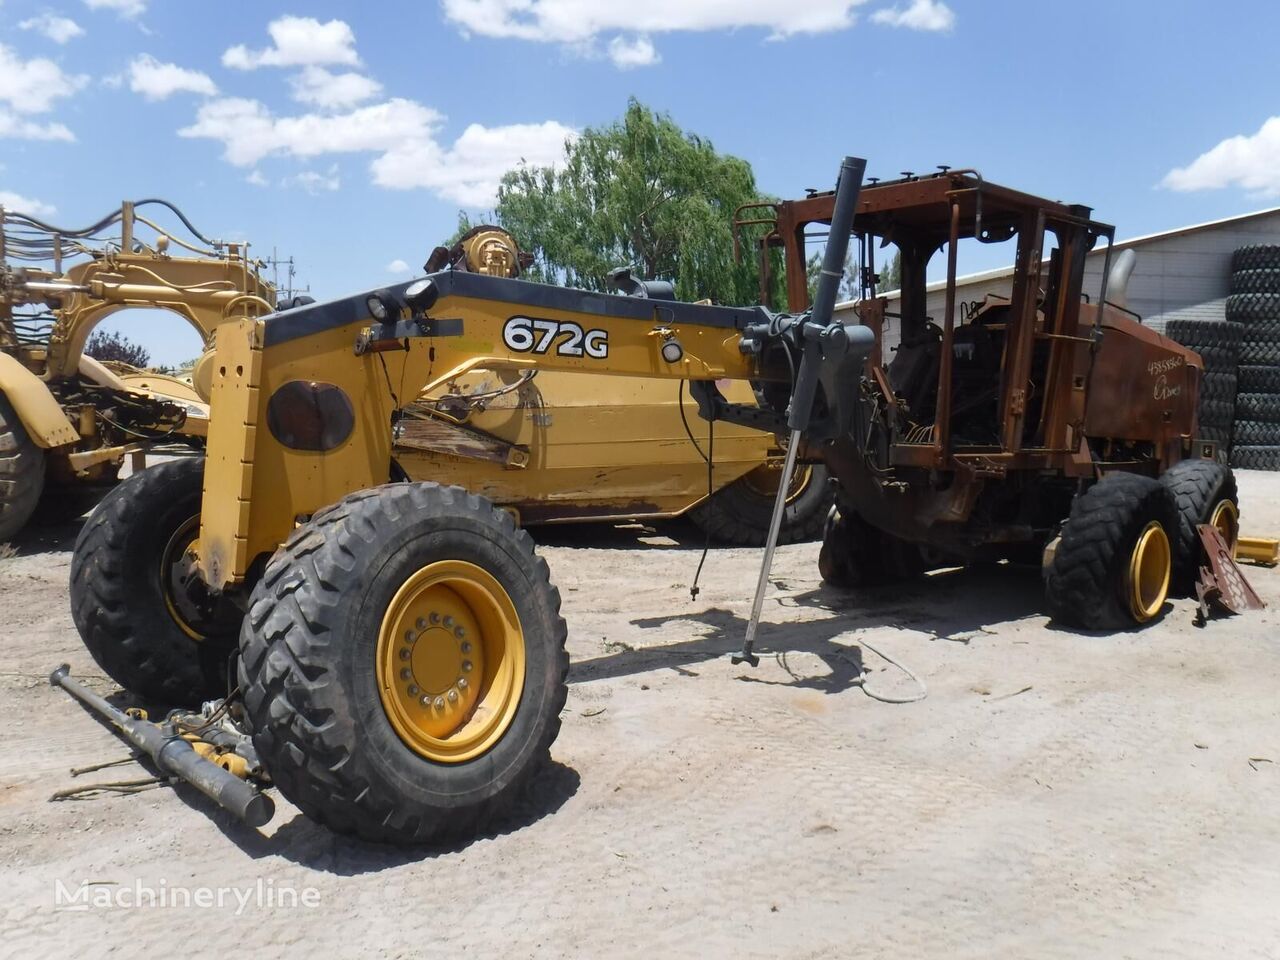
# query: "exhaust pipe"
1118,278
175,756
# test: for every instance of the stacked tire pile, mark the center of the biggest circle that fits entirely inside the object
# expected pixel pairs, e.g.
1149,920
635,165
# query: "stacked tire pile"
1254,305
1218,343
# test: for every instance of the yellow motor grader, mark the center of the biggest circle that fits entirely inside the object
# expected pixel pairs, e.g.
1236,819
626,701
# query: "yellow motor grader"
548,450
399,652
67,421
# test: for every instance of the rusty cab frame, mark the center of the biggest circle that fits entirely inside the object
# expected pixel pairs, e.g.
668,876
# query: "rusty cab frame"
1039,410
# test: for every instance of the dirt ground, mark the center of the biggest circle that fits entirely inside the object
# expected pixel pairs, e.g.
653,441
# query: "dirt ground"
1056,795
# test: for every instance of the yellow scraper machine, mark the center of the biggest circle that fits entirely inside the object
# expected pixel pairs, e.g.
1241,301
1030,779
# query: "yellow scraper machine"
399,654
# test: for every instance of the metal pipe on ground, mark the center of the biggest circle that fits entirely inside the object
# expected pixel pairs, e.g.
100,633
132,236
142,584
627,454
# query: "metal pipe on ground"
175,756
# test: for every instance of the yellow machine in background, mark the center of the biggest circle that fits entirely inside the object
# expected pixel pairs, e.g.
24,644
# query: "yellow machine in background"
67,421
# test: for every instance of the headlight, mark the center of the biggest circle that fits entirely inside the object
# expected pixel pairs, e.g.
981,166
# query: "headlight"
381,305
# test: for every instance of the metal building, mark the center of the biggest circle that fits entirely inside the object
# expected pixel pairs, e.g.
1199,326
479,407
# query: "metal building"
1180,273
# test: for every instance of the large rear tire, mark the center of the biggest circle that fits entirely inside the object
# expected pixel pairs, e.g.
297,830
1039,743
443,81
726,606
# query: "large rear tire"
740,513
144,617
403,664
856,554
21,472
1203,492
1112,567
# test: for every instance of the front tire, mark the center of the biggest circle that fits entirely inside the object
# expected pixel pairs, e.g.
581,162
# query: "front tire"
22,468
403,664
146,620
1113,565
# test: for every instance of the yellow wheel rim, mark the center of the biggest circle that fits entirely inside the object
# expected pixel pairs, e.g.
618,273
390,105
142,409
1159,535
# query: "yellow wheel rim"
765,478
450,661
173,577
1226,519
1149,570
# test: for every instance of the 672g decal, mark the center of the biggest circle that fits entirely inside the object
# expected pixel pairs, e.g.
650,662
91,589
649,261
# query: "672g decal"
531,335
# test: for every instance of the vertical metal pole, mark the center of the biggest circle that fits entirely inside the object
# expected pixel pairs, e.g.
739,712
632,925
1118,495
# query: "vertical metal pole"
942,425
775,527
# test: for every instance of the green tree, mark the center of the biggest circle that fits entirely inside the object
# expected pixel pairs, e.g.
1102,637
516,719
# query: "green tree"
890,274
639,192
116,346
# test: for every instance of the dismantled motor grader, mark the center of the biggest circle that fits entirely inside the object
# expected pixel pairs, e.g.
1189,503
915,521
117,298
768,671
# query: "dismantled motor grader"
553,446
401,655
66,420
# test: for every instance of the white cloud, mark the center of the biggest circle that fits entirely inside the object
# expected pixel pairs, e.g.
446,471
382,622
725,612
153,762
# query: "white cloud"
469,171
126,8
16,128
398,266
1251,162
58,29
314,182
298,42
332,91
157,81
919,15
627,53
402,134
32,86
19,204
256,178
579,24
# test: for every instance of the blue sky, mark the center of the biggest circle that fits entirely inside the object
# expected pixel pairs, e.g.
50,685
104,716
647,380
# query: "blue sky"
349,136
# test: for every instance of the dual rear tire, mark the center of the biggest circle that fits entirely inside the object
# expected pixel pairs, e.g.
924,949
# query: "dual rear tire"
402,661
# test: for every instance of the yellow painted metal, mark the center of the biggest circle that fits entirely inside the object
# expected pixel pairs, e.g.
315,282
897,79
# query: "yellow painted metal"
1227,521
1150,567
596,447
1258,550
40,413
172,559
256,488
450,661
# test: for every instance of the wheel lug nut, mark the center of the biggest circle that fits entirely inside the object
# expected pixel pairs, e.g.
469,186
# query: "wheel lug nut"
413,690
448,622
466,647
404,654
466,666
439,703
422,624
425,701
408,636
462,683
406,674
459,632
453,696
435,617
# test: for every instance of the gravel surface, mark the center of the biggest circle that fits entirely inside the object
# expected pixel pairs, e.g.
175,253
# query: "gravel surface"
1056,795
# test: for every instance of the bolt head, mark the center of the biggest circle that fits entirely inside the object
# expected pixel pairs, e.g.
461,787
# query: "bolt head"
453,696
425,701
467,666
422,623
413,689
462,683
466,647
404,653
406,674
408,636
448,622
435,617
459,632
439,703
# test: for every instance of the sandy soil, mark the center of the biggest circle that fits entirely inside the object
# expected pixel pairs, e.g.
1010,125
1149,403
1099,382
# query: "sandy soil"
1057,794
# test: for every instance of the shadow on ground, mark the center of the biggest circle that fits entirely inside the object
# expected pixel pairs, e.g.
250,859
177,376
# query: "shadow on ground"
952,605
